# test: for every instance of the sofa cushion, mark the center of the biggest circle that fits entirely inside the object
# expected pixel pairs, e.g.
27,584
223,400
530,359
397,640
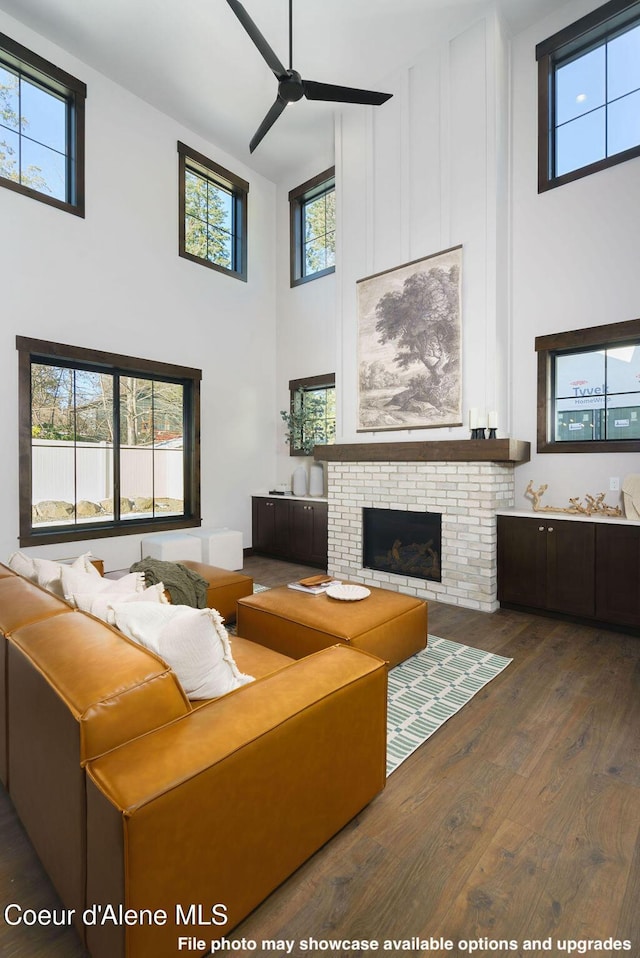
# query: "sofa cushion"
193,642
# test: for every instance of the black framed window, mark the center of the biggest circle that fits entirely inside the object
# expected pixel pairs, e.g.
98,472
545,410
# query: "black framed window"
108,444
41,129
589,94
213,214
311,418
589,389
312,208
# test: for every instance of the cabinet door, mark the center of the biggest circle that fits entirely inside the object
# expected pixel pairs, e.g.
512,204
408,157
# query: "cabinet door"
618,574
522,561
309,532
571,567
270,526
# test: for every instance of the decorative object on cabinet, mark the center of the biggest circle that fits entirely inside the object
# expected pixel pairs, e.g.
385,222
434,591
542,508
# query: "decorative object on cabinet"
631,496
299,481
409,350
594,506
316,479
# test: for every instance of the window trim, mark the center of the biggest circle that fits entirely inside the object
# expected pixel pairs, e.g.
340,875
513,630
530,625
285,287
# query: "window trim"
201,165
308,383
576,340
74,92
591,30
321,183
35,350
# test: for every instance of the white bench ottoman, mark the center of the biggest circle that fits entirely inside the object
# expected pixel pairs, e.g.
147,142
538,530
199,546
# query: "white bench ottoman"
220,547
171,546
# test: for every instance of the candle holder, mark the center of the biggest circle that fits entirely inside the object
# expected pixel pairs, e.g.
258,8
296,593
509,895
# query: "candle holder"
492,433
478,433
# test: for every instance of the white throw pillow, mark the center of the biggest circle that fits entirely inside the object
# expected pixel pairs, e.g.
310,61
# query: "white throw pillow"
194,642
84,564
23,565
100,603
48,575
77,582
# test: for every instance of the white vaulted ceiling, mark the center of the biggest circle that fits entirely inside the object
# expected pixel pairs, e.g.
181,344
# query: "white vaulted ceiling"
193,60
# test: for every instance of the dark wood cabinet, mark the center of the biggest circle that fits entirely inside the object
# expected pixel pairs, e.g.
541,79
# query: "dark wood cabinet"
308,532
547,563
618,574
270,526
292,529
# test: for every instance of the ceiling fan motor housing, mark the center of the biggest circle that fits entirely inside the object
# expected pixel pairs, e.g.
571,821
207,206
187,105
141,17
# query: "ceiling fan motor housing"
290,86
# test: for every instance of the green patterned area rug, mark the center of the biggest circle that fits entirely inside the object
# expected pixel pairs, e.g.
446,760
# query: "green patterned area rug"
429,688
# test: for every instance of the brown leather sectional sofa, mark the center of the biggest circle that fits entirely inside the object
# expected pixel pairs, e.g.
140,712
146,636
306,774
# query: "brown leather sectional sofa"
157,818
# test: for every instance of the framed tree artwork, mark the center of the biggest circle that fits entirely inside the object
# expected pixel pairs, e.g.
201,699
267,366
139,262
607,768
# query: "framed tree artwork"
409,345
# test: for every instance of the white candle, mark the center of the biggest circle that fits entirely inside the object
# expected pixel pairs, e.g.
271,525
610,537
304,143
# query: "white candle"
482,420
493,420
473,418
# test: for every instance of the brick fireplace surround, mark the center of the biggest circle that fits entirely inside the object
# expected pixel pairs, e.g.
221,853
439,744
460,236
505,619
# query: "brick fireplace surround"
467,481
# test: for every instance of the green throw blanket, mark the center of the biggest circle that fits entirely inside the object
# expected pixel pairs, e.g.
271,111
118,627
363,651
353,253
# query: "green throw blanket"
184,586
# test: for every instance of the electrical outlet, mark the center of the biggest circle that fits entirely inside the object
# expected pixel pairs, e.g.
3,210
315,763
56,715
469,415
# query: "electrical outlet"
614,484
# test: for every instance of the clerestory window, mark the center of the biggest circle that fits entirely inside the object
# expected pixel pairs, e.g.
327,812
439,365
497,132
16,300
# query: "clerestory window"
589,94
589,389
108,444
213,214
312,208
41,129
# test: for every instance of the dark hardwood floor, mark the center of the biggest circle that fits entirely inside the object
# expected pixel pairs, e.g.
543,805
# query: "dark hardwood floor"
518,820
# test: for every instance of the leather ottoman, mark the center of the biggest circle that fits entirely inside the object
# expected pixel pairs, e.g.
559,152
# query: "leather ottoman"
225,587
388,624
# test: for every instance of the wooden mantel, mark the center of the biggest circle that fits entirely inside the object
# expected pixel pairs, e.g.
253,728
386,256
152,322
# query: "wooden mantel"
450,450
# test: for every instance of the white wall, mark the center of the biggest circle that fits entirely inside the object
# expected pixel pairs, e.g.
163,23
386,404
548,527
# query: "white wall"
574,264
421,174
306,324
114,281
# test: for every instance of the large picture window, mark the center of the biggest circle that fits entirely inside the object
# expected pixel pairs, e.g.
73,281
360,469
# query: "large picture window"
41,129
589,94
108,444
589,390
213,214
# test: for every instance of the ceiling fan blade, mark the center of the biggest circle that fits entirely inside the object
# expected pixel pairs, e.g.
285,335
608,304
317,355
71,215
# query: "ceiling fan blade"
268,55
268,122
342,94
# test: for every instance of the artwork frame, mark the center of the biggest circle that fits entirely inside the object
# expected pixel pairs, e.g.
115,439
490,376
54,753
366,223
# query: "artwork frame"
410,345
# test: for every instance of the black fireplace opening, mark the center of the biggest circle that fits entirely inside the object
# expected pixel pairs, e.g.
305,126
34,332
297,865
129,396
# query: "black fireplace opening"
405,543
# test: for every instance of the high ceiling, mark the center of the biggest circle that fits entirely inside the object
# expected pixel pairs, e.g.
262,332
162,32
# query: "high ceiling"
192,59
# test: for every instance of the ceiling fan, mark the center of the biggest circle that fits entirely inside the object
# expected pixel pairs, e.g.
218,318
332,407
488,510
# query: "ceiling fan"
291,86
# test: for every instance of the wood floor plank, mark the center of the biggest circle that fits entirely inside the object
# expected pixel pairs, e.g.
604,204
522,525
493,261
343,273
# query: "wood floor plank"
503,889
